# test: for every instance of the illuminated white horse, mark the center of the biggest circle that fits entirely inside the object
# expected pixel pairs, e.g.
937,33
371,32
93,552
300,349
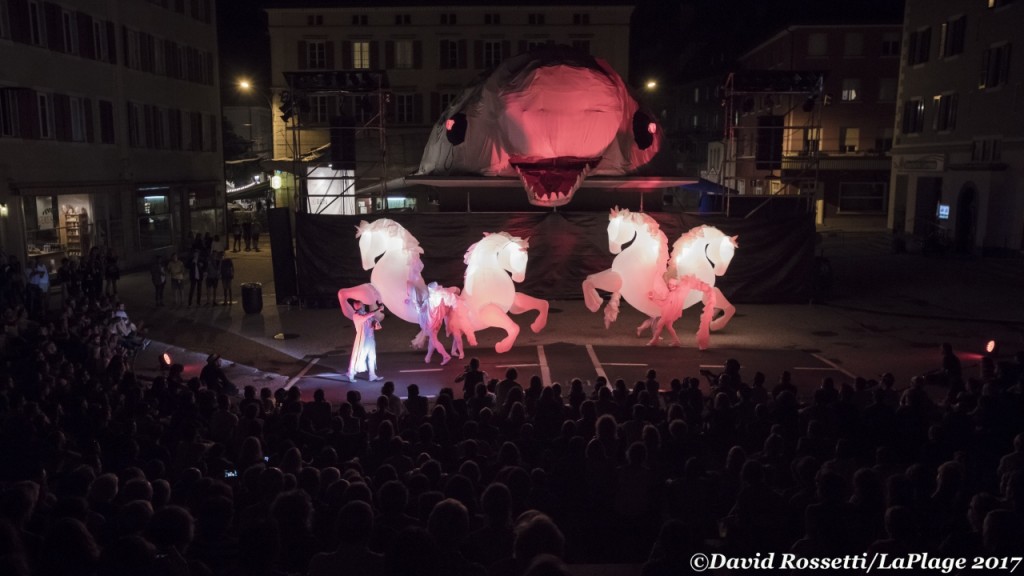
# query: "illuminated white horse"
705,253
636,272
490,294
396,279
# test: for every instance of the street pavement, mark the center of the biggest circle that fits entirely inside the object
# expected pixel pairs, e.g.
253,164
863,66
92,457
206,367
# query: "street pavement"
886,313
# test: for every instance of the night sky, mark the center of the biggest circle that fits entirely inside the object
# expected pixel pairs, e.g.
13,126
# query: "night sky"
678,40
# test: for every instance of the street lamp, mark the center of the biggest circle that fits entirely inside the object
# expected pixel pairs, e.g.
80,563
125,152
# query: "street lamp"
246,86
651,84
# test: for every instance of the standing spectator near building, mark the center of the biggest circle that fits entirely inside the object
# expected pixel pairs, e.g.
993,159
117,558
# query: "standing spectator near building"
227,274
237,233
111,272
212,277
176,270
158,274
38,287
196,276
256,235
247,234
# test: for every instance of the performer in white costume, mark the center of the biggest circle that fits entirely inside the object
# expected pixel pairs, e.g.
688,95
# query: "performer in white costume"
364,349
672,309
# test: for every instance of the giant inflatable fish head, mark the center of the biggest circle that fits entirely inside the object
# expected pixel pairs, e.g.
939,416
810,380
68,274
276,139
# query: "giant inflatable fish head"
550,117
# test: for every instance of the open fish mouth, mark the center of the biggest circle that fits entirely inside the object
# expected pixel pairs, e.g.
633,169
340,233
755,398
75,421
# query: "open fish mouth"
551,182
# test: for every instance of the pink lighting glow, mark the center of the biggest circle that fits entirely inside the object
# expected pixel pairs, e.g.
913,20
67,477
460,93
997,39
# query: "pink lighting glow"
449,124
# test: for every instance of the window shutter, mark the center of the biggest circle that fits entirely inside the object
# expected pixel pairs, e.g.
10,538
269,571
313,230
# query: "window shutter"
28,113
302,55
124,45
111,43
478,54
374,55
506,49
417,54
61,117
54,27
86,46
389,54
329,50
522,46
463,54
346,54
435,105
983,77
90,133
17,12
417,108
1005,65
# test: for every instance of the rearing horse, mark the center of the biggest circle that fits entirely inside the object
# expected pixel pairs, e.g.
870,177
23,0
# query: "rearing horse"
636,271
490,293
397,278
705,253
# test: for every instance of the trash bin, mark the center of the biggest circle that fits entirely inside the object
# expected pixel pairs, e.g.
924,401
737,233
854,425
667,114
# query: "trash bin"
252,297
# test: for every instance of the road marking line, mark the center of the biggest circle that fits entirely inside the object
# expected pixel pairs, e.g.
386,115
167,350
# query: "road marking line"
623,364
545,372
597,364
833,364
421,370
516,365
822,368
712,366
294,379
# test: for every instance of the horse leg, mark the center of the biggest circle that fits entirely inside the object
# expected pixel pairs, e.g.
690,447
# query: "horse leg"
722,304
493,316
648,323
611,310
607,280
364,293
524,303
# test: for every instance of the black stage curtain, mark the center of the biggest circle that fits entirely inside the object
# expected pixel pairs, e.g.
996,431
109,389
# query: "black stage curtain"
774,261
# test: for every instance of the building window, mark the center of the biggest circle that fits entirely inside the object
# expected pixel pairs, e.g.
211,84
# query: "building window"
106,122
853,45
851,90
537,44
952,36
154,212
446,99
134,124
862,197
404,54
945,112
492,53
134,55
887,89
70,32
492,19
883,142
319,109
582,46
451,54
812,140
998,3
315,20
581,19
361,55
78,117
995,66
36,23
817,45
913,116
8,112
986,150
44,104
360,20
405,108
849,139
891,44
5,22
403,19
99,40
448,19
535,19
920,46
316,54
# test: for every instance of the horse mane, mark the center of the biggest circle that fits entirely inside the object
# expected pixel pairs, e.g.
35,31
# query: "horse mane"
488,244
694,234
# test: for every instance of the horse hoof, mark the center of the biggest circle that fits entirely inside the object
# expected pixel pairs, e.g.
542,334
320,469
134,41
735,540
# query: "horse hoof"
446,360
502,347
537,325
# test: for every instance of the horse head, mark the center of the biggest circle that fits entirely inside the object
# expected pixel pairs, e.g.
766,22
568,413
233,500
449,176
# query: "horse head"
372,242
385,235
620,229
513,257
720,249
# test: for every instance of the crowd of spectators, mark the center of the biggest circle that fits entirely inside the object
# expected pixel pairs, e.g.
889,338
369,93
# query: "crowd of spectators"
104,474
